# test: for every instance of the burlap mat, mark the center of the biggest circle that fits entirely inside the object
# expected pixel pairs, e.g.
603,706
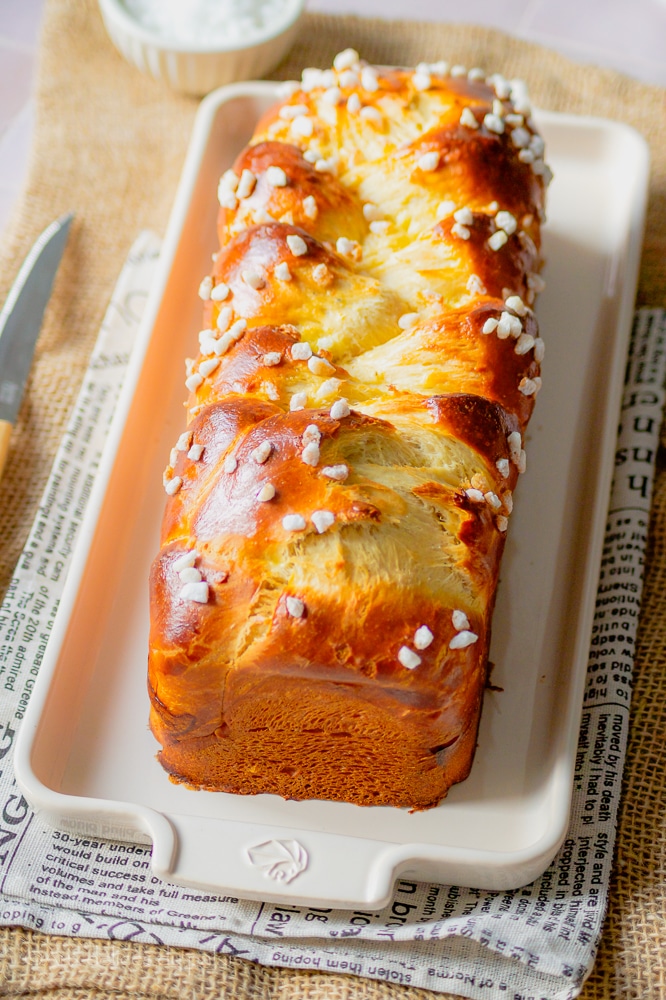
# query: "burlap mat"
109,145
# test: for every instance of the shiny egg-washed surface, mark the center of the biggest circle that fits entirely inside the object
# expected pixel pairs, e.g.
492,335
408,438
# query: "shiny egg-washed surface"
338,503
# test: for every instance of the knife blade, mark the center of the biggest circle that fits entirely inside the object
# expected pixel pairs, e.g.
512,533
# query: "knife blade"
21,321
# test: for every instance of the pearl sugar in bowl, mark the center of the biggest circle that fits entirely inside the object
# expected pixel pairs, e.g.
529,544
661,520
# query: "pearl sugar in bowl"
202,44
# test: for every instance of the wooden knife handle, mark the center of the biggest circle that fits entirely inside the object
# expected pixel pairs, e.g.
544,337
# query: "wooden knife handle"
5,434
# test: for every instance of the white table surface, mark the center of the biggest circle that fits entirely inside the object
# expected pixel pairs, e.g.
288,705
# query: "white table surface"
627,35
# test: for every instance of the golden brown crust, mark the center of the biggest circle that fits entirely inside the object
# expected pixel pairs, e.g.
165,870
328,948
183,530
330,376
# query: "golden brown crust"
322,601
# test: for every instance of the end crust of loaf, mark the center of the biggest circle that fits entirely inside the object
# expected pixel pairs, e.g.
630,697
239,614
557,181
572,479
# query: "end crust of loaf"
338,502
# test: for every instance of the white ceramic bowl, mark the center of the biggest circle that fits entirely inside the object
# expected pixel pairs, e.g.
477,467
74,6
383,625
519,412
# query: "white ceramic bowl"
198,69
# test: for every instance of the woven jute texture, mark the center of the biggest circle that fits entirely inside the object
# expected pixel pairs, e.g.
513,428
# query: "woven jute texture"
109,145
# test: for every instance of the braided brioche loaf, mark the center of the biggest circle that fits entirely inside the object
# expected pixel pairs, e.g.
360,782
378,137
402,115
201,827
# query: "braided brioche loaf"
321,604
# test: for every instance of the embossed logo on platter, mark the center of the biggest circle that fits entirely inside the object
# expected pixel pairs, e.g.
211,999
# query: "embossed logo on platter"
281,860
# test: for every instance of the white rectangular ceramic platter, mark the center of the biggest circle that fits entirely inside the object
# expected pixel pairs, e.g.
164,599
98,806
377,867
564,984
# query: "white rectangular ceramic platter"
86,758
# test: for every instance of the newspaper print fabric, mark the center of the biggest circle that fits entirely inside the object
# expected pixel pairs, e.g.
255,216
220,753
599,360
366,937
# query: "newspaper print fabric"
535,942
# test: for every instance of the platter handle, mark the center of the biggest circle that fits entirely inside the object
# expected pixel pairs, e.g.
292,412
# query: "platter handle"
269,863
